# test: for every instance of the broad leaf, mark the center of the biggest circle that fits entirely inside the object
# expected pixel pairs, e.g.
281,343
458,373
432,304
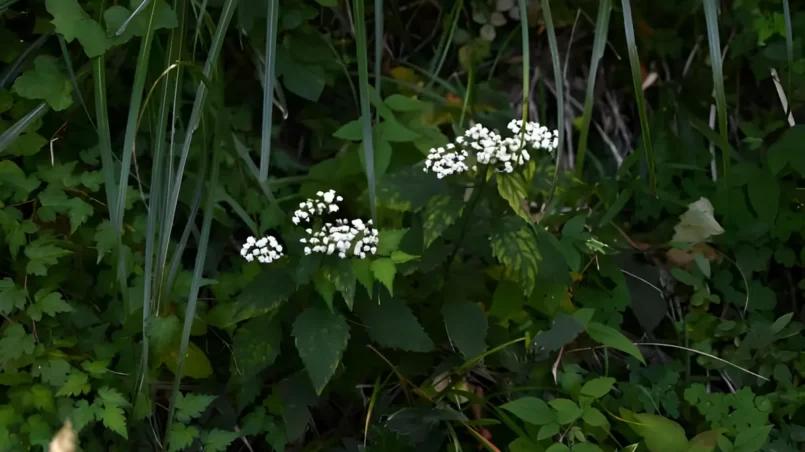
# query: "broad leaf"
598,387
466,326
439,214
72,22
697,224
515,247
512,188
181,436
218,440
321,337
384,270
256,345
391,324
567,411
45,81
531,409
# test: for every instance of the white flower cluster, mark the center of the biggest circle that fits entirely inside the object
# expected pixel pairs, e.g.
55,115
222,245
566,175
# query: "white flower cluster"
356,236
447,160
491,149
325,202
266,249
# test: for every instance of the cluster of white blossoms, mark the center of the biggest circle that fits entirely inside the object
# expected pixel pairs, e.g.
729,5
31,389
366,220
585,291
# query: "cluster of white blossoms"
324,202
266,249
505,154
344,237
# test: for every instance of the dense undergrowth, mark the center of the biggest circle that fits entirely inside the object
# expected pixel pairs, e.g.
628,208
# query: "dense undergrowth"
628,277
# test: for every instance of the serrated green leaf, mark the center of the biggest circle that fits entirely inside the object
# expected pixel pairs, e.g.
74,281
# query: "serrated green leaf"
54,371
343,278
512,188
218,440
114,17
77,383
72,22
389,240
15,343
84,414
611,337
321,337
190,406
26,144
112,397
257,344
181,436
516,248
52,304
531,410
42,255
391,324
11,297
439,214
115,420
467,326
598,387
507,300
45,81
384,271
567,411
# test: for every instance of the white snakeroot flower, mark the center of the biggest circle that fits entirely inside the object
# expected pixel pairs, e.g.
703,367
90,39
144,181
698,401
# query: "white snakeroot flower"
345,238
266,250
489,148
325,202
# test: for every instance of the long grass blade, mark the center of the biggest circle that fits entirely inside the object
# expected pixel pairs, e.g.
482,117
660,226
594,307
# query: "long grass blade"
526,57
637,80
68,62
104,134
444,42
190,310
243,152
599,47
379,40
176,259
11,134
134,14
359,11
559,83
227,11
711,17
268,86
789,44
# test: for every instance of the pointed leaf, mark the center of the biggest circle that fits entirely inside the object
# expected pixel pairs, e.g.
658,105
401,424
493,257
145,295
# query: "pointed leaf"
467,326
610,337
321,337
531,409
392,324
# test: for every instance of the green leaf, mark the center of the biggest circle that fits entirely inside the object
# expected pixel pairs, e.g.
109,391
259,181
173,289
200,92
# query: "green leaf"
52,304
27,144
705,441
11,297
45,81
398,102
391,324
83,414
321,337
531,410
775,327
394,132
164,17
41,256
196,363
439,214
112,397
594,417
190,406
72,22
784,151
163,332
659,434
598,387
114,419
752,439
77,383
343,278
350,131
516,248
257,344
512,188
610,337
181,436
566,410
466,326
697,224
384,271
389,240
558,447
218,440
548,431
15,343
764,195
507,300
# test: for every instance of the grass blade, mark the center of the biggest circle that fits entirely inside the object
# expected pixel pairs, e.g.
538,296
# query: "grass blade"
599,47
445,40
128,20
789,44
243,152
526,56
379,39
11,134
637,80
560,86
358,8
711,16
268,86
190,310
69,64
104,135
